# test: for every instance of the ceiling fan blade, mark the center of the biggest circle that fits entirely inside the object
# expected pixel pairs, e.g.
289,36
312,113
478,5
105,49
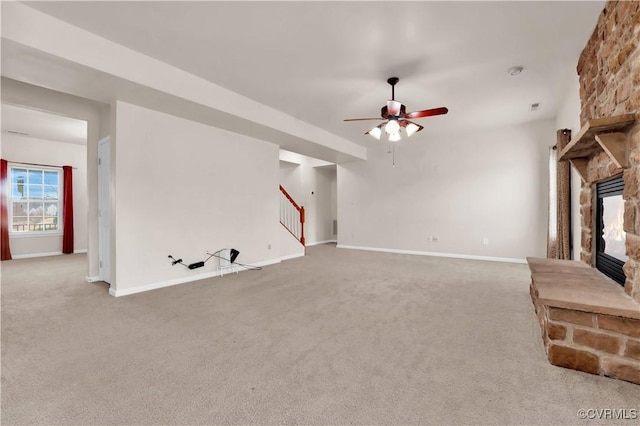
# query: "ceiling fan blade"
393,108
427,112
404,123
363,119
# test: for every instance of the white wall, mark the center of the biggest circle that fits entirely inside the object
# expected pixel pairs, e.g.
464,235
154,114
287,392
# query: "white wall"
41,151
105,122
183,188
569,118
321,205
291,179
459,188
334,204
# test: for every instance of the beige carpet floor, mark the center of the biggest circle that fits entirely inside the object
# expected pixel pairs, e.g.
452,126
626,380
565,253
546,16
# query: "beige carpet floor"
336,337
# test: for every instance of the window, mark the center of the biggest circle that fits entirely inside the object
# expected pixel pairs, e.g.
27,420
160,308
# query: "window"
35,200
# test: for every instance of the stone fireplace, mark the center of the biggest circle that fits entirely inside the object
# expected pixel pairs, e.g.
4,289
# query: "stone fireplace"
589,322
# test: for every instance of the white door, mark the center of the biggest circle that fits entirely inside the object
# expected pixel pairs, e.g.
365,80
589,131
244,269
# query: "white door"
104,208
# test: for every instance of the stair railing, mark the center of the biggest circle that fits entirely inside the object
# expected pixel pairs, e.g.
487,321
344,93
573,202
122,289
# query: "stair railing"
291,215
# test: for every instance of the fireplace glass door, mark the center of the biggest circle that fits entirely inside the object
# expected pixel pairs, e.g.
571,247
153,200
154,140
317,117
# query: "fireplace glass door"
610,236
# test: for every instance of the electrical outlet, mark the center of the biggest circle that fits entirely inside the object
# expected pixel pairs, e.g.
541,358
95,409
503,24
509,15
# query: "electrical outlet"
485,241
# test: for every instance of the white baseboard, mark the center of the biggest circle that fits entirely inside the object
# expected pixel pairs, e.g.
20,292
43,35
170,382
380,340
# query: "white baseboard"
184,280
428,253
322,242
265,263
92,278
291,256
51,253
30,255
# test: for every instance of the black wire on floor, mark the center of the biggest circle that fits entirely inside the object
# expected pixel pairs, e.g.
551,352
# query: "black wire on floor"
200,264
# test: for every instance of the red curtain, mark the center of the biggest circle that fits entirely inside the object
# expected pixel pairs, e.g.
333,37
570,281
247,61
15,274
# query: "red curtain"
4,215
67,211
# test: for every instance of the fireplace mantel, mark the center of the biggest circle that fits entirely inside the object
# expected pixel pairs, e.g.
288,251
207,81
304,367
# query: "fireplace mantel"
597,135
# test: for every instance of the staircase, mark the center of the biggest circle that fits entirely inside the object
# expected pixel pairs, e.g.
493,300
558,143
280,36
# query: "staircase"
291,215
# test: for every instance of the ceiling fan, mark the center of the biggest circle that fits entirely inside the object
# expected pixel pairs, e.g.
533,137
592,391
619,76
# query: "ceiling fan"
397,117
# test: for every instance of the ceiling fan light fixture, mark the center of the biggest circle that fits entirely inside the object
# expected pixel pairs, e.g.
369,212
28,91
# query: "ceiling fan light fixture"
397,117
411,129
392,127
375,132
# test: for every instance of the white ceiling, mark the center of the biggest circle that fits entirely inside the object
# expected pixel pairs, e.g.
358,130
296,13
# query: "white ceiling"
322,62
42,125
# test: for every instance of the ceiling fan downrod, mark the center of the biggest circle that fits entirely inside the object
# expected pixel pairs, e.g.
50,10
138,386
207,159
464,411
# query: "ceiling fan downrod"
393,81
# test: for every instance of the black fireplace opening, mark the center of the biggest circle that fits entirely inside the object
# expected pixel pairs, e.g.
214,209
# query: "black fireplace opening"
610,236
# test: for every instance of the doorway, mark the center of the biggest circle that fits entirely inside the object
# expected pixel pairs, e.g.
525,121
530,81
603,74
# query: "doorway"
36,144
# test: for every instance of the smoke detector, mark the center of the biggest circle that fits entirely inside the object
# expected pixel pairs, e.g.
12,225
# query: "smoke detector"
515,70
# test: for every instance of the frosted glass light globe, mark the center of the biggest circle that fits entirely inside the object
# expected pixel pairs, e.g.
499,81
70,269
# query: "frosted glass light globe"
392,127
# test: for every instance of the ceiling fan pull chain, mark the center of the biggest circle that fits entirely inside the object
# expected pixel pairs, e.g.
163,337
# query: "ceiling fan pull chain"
394,155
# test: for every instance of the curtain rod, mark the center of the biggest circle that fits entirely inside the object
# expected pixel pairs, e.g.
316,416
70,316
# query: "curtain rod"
36,164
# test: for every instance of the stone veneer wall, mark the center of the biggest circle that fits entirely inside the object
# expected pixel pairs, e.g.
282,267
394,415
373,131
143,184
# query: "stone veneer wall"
609,72
590,342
